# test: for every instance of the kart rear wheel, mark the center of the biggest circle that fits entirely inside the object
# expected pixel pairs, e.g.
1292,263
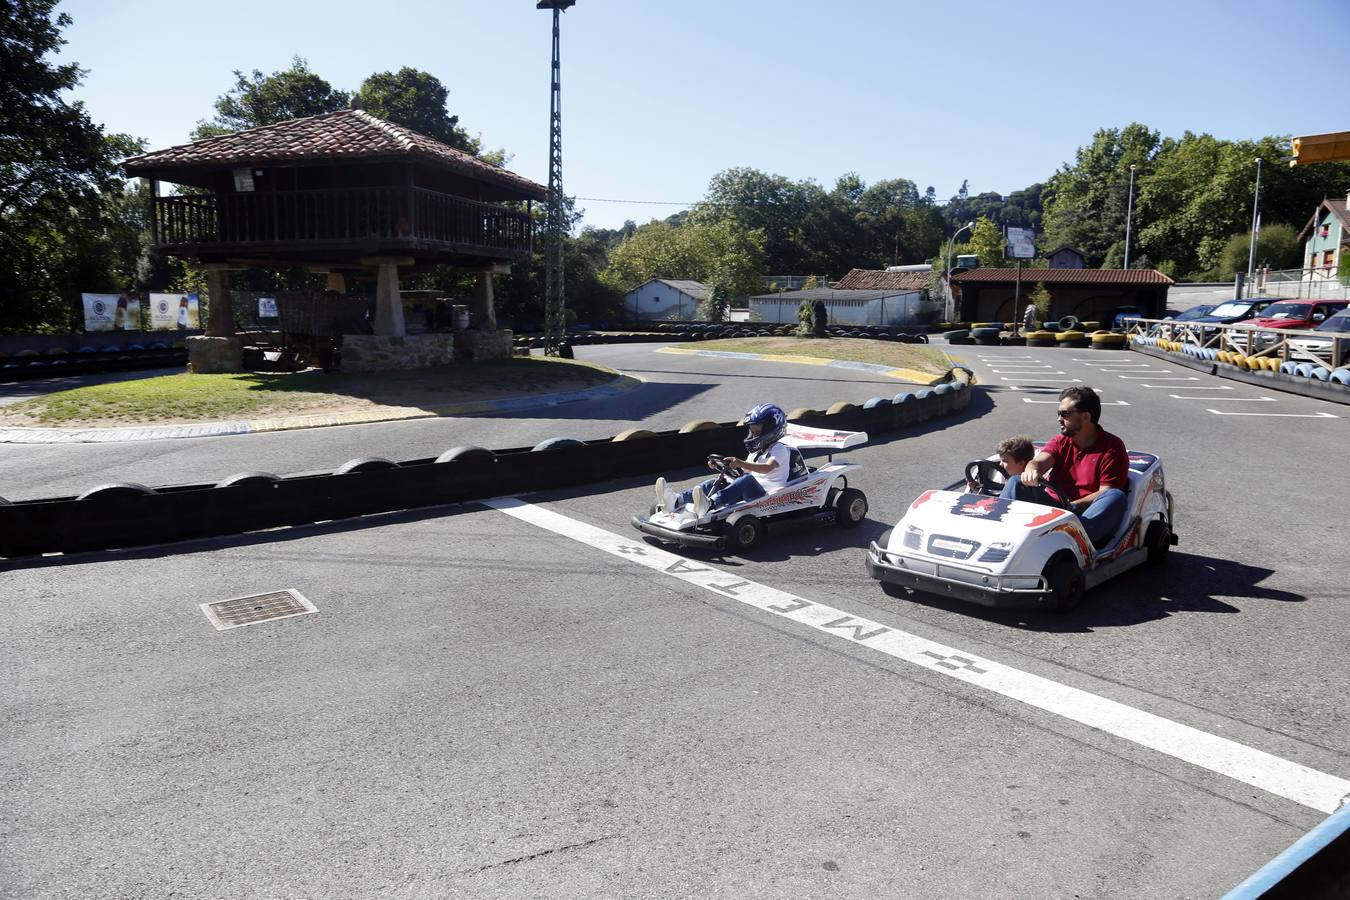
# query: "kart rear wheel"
1066,582
850,508
743,534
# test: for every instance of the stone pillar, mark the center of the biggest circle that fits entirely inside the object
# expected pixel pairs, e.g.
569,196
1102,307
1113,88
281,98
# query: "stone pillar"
220,318
388,306
484,307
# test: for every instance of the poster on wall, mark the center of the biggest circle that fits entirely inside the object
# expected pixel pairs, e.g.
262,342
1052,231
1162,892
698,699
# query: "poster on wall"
111,312
169,311
267,307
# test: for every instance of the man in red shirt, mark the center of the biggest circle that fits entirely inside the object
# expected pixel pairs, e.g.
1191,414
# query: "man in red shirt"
1087,466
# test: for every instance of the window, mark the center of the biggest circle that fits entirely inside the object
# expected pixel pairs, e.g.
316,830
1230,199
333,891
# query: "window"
1325,230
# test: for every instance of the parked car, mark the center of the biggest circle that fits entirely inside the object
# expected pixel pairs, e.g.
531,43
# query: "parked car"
1188,315
1231,312
1337,331
1297,314
1121,314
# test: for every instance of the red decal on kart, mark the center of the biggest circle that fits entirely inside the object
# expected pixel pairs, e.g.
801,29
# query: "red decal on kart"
1043,518
1073,530
991,508
923,498
791,498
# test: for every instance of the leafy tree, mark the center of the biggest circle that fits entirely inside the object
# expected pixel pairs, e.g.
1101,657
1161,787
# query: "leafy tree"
61,193
1040,299
416,100
1277,246
726,258
259,99
986,240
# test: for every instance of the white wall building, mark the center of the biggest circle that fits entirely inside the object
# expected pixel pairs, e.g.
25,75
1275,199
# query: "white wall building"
665,299
888,308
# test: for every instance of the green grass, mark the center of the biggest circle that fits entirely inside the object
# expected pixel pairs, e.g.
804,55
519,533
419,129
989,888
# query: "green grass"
901,356
213,397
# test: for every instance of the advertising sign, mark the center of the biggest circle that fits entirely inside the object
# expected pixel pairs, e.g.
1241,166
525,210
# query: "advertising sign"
111,312
1021,244
169,311
267,307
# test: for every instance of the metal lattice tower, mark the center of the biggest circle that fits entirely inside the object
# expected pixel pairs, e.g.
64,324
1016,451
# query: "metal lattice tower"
555,221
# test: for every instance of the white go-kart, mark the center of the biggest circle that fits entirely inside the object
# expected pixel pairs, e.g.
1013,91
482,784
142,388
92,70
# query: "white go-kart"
1011,553
819,495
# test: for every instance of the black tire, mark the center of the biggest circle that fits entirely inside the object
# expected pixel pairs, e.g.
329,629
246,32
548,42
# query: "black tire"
1066,581
118,489
364,464
466,454
1158,540
743,533
850,508
553,442
246,478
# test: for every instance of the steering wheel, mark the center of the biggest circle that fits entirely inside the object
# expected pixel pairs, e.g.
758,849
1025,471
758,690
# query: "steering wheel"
982,472
718,465
1053,493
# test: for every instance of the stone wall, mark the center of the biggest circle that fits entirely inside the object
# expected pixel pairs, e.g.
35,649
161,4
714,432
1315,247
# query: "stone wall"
477,346
212,355
376,352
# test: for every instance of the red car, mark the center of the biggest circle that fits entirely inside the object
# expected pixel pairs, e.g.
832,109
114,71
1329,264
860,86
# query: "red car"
1298,315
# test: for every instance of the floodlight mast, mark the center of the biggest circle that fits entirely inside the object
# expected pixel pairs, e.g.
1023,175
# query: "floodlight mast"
555,217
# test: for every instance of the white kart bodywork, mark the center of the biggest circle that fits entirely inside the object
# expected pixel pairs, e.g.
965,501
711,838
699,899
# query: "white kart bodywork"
811,493
995,552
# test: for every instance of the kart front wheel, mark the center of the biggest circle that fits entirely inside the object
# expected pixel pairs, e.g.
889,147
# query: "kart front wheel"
850,508
1066,582
1158,540
743,534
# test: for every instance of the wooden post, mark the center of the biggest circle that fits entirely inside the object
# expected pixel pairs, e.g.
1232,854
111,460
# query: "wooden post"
220,318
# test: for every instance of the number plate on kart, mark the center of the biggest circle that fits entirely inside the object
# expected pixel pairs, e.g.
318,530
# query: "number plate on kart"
955,548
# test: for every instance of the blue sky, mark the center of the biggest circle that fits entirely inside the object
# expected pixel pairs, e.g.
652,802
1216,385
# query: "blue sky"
660,96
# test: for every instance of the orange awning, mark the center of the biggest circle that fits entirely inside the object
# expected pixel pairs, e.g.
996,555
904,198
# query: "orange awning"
1320,148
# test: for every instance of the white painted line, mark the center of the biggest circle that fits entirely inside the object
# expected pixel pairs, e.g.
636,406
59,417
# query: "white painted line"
1031,358
1133,369
1040,390
1188,387
1281,777
1026,373
1225,399
1159,377
1277,415
1055,380
1104,402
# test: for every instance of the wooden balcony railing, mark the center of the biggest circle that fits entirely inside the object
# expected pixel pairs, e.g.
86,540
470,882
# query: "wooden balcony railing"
340,216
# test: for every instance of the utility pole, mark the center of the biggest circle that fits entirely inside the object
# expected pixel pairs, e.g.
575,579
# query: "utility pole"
1129,214
555,219
1256,222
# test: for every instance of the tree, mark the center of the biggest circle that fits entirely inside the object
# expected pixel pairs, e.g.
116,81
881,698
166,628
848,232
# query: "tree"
986,240
259,99
416,100
726,258
60,187
1277,247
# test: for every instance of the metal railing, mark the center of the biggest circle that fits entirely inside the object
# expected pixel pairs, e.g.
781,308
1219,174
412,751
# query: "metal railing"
344,215
1251,341
1318,283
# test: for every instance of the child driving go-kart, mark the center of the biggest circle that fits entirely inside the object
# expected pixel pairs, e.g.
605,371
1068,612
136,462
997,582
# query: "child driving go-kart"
765,467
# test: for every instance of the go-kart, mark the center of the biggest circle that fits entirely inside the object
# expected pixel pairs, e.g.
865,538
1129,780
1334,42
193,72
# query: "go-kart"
979,547
821,495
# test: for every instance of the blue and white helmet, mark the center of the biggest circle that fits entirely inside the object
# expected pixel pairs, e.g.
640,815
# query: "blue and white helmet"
773,425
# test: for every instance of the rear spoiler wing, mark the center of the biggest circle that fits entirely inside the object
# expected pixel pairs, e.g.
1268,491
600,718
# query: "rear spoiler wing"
804,438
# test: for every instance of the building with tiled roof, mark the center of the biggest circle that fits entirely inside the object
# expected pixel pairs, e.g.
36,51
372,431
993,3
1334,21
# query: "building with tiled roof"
987,295
882,280
1326,238
345,193
665,299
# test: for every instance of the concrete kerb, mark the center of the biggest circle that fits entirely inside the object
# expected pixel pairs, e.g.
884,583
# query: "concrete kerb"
622,385
912,376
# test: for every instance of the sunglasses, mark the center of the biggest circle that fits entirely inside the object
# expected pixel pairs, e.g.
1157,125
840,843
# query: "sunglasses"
1065,413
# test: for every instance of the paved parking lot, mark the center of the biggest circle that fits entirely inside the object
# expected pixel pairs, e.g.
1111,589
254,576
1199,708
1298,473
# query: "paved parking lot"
524,698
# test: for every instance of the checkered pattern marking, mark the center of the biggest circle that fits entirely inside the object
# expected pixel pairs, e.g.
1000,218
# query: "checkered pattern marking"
954,662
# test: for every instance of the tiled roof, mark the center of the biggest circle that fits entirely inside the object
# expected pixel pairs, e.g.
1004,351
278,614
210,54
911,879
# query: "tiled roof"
348,134
830,294
876,280
1063,276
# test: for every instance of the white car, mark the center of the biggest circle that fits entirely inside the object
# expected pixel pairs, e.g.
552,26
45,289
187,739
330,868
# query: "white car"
1008,553
821,495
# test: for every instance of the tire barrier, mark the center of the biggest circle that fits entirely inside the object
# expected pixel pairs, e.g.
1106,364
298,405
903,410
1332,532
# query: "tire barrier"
986,335
129,515
697,425
60,362
958,336
242,478
634,434
1306,377
843,406
874,402
1071,338
1040,338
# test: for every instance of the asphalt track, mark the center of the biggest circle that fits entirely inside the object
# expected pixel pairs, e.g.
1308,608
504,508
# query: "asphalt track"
485,706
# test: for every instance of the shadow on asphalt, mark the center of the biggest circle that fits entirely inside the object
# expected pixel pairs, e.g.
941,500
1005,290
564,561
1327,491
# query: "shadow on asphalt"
1188,583
252,539
637,405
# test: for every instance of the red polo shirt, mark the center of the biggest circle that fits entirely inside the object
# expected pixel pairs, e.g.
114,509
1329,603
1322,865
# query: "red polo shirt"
1080,472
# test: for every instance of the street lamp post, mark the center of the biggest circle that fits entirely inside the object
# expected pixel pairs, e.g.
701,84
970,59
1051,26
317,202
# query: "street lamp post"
950,309
1256,218
1129,214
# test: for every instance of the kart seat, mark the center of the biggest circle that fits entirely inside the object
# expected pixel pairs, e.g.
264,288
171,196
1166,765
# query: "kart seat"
797,467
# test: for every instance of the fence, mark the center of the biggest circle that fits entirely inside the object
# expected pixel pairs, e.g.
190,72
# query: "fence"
1331,350
1314,284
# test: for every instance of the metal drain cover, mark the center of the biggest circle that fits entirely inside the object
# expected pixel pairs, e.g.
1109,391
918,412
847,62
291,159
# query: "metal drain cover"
267,607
